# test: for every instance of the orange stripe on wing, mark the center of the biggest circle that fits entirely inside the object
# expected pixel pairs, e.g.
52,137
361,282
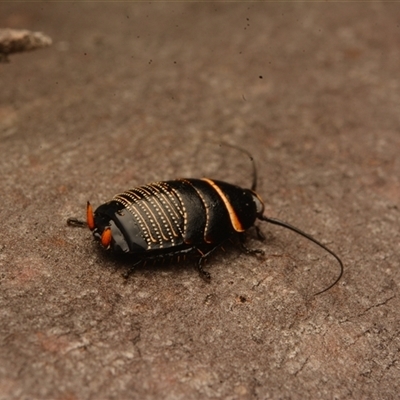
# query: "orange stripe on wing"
232,214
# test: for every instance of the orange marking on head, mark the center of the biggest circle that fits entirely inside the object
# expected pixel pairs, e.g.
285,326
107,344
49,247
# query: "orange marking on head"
106,238
89,216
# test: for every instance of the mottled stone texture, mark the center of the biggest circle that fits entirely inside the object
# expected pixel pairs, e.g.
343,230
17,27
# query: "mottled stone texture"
130,93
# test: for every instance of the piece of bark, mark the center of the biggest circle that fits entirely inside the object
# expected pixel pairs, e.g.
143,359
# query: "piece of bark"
19,40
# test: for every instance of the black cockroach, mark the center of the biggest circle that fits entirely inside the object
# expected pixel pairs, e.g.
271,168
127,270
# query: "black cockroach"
181,217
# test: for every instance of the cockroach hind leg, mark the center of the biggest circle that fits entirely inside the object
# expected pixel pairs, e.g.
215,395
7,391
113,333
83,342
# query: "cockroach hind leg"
246,249
204,274
130,270
203,256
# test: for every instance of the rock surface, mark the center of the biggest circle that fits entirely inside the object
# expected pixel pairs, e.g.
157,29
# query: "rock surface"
131,93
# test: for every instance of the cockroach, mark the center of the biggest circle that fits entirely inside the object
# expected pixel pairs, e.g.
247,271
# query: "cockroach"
182,217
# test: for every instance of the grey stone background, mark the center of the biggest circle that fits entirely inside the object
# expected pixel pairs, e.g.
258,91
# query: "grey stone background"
132,93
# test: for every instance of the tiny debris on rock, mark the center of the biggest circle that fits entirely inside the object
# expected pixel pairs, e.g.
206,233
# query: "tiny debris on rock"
19,40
